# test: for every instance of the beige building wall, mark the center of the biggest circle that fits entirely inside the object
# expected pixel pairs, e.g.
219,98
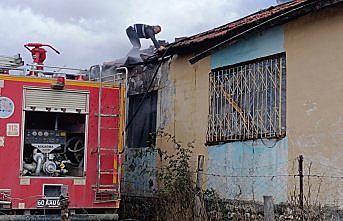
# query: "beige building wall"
314,50
183,104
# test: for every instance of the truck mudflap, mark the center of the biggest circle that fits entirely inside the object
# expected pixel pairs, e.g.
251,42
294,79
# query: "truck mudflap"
76,217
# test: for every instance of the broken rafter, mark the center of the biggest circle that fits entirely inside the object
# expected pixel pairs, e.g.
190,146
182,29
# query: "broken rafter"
246,118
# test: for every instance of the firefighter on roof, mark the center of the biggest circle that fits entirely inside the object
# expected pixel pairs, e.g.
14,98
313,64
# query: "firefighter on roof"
137,31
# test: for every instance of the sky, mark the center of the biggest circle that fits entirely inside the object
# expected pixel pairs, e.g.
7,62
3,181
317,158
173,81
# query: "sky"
89,32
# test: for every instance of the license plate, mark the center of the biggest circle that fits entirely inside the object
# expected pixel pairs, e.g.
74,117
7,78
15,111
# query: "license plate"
48,203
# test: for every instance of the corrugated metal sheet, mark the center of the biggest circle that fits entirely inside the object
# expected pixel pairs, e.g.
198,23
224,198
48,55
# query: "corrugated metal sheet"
44,99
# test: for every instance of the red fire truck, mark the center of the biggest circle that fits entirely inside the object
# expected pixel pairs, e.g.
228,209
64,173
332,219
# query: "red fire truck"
60,139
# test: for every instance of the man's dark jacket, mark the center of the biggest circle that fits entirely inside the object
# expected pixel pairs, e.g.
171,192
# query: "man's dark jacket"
146,31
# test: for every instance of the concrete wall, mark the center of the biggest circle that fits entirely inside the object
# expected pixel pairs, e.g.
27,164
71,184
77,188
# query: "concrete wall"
314,50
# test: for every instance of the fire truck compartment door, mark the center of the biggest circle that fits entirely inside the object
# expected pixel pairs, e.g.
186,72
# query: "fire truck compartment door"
46,99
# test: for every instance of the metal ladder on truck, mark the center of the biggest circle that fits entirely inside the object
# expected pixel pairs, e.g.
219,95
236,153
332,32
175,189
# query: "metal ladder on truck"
107,188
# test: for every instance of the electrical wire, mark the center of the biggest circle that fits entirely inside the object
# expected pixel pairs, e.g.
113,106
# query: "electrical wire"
270,147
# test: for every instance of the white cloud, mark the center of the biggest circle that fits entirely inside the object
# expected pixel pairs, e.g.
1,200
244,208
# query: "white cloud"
89,32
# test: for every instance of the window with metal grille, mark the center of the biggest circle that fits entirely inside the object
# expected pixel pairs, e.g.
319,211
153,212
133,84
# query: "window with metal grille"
248,101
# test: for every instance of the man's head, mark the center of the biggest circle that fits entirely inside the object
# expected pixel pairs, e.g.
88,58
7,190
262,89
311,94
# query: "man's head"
157,29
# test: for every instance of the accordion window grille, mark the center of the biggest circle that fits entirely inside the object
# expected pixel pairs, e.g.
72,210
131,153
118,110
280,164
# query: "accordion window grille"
248,101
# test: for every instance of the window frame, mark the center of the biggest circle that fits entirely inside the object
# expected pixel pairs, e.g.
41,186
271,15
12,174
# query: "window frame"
240,99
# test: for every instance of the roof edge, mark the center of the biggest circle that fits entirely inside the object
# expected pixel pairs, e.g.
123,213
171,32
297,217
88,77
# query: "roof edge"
293,13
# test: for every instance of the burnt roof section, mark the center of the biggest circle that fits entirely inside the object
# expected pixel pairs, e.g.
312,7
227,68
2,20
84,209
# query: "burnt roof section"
279,14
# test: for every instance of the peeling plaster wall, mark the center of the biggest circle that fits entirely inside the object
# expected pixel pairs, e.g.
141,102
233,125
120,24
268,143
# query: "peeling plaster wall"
182,111
245,170
139,178
183,104
314,50
140,163
166,92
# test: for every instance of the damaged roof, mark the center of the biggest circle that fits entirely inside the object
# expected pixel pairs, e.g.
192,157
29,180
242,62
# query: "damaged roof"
281,12
222,30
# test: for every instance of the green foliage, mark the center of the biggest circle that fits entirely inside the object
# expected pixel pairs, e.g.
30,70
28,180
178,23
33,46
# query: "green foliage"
176,197
177,190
